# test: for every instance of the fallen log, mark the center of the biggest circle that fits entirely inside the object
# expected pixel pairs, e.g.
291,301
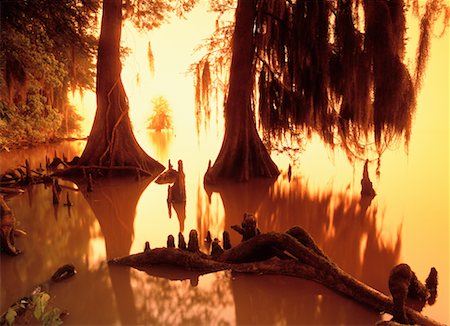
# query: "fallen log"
293,253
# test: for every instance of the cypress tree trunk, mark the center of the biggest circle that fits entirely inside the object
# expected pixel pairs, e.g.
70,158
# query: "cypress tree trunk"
243,155
111,143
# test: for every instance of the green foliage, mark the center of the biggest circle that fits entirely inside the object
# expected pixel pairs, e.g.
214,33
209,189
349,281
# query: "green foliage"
10,316
29,123
47,49
161,118
40,301
32,310
52,318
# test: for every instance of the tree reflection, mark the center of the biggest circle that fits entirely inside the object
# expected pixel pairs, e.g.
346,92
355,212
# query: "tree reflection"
180,210
49,243
88,298
275,300
343,225
237,199
114,202
162,142
164,302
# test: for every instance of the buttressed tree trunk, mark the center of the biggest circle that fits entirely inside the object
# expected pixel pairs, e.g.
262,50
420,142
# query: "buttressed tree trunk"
243,155
111,143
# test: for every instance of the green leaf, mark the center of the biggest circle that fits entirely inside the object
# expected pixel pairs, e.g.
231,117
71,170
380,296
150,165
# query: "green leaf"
52,318
10,316
40,301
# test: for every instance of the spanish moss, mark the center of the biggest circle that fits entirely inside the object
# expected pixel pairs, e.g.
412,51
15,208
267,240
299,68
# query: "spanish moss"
433,11
211,71
338,68
151,59
349,84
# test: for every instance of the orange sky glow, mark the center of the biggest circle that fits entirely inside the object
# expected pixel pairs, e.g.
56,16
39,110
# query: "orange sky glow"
426,167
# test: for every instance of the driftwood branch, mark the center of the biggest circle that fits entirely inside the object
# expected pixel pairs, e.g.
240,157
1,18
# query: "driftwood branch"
293,253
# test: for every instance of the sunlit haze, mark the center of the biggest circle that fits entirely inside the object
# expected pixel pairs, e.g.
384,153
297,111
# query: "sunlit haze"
407,221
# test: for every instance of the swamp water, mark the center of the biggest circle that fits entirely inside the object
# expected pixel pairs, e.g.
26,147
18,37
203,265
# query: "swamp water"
408,221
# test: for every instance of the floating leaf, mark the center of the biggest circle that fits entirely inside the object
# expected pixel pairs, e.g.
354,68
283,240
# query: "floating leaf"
52,318
10,316
40,301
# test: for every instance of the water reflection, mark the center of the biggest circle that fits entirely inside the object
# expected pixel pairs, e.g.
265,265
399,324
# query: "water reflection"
164,302
108,223
277,300
343,224
162,141
180,210
36,155
209,215
113,202
237,199
47,244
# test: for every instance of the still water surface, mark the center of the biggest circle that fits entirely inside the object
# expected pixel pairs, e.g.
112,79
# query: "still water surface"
408,221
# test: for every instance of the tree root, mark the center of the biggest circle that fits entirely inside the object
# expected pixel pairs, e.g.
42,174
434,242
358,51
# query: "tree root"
97,170
293,253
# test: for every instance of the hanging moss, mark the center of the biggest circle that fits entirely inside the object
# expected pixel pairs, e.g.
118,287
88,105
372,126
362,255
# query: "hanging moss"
433,10
151,59
337,68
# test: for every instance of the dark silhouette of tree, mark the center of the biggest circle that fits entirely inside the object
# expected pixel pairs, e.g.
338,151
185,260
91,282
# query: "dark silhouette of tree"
111,144
335,68
243,155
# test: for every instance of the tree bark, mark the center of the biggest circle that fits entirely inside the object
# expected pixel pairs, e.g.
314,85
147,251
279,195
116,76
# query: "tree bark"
242,155
302,258
111,142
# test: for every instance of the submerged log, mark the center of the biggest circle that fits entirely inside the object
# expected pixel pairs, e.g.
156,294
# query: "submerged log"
259,255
